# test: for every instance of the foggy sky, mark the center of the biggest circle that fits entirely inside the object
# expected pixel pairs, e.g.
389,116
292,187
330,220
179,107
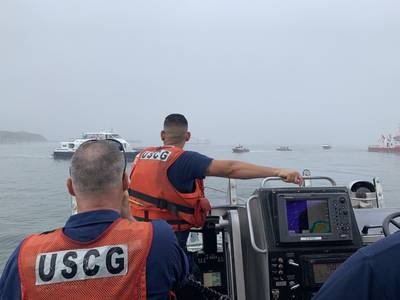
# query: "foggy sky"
283,72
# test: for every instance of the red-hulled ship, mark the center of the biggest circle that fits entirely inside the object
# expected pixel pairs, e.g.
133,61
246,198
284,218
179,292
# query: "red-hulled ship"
388,144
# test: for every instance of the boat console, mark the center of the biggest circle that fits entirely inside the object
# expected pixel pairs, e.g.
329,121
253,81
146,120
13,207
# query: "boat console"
307,234
282,243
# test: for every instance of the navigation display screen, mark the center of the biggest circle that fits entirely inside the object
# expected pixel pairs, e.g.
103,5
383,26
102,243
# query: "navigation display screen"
308,216
323,271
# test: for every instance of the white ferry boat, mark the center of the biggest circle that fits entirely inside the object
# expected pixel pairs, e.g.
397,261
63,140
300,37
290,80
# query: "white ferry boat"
283,148
67,149
198,141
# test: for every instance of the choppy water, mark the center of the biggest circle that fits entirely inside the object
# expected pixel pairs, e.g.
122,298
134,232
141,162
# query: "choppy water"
33,197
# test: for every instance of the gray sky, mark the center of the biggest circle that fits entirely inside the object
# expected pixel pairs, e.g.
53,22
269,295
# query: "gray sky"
283,72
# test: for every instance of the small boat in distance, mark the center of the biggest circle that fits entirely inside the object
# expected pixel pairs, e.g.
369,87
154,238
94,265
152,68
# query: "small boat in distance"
240,149
388,144
67,149
283,148
326,147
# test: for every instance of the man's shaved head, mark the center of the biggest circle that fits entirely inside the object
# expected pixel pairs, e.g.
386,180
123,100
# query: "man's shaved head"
175,120
175,129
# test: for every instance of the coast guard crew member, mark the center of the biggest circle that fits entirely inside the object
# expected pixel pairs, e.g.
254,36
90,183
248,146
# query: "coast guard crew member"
167,182
101,252
372,273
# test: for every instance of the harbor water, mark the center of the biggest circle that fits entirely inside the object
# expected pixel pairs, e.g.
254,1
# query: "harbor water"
33,196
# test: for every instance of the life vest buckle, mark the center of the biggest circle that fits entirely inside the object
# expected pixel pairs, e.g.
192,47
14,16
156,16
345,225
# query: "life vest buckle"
168,206
162,204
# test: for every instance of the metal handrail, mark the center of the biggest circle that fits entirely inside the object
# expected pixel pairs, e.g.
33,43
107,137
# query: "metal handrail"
227,206
265,180
250,219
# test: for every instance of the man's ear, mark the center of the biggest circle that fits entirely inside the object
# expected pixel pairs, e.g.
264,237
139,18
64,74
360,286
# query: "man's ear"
162,134
125,182
188,135
70,187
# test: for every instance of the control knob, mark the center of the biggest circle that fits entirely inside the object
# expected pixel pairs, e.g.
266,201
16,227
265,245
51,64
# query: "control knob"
275,294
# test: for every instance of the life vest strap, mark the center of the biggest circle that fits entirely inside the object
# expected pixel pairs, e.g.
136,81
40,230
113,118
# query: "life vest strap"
170,222
161,203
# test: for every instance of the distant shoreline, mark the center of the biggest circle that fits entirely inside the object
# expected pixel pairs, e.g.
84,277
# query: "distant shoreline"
18,137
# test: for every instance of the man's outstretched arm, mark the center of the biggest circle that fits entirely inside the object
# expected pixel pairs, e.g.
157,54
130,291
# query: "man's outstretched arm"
243,170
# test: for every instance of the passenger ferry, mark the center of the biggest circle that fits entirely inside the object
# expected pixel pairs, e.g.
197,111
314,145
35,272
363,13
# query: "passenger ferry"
198,141
283,148
67,149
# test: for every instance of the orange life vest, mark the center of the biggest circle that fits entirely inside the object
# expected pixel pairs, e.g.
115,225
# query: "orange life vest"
154,197
52,266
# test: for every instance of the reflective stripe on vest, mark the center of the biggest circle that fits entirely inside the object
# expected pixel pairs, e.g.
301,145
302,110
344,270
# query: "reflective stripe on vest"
52,266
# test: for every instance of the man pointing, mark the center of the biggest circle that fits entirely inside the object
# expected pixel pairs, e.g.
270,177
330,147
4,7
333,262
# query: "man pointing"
167,181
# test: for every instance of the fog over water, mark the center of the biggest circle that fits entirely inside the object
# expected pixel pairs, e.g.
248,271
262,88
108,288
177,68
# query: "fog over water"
255,72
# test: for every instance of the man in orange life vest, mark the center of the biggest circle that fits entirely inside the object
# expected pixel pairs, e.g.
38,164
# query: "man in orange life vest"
101,252
167,182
